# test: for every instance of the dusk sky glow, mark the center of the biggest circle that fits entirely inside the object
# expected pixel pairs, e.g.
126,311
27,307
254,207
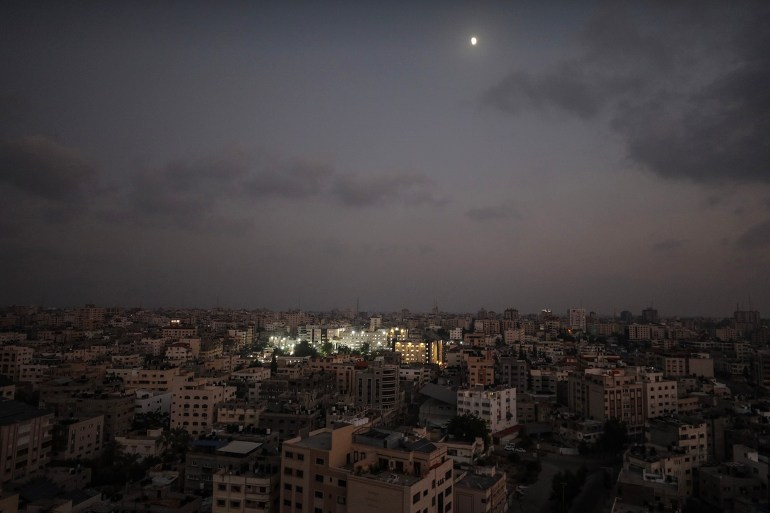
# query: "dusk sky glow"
605,155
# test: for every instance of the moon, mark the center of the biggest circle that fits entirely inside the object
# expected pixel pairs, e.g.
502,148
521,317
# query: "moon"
474,41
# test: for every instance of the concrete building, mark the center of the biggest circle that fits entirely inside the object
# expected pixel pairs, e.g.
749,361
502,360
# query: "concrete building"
513,372
481,369
497,407
145,446
659,395
25,440
75,438
148,401
206,457
194,407
164,380
376,471
412,352
242,414
378,387
249,489
601,394
577,319
116,407
481,492
11,360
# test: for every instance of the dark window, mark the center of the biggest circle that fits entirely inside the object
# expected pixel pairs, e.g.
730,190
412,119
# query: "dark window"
319,461
319,478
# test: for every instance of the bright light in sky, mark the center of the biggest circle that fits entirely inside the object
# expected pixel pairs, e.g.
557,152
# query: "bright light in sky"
474,41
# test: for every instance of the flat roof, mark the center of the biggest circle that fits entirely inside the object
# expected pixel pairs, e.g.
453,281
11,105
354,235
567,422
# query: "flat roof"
16,411
318,441
478,481
240,447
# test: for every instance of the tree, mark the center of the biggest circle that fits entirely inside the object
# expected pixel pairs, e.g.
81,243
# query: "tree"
327,348
176,442
468,427
614,437
304,349
274,365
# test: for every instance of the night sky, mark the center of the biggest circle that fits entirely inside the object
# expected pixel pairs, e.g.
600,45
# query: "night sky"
601,155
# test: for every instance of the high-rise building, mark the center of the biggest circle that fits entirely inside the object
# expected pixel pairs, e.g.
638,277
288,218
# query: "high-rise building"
650,315
577,319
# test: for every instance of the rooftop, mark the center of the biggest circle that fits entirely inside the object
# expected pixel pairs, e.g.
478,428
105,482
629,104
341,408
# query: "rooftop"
478,481
239,447
16,411
317,441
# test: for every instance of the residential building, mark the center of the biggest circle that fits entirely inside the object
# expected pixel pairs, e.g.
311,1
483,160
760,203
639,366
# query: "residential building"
602,394
75,439
248,489
26,435
206,457
481,492
149,445
193,408
378,387
11,360
497,407
376,471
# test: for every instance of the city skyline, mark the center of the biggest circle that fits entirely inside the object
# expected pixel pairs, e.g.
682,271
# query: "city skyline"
607,156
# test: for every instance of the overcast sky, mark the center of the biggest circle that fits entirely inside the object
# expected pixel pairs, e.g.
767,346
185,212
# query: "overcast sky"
608,155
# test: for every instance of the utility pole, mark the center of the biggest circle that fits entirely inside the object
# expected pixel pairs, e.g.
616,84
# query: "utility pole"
563,504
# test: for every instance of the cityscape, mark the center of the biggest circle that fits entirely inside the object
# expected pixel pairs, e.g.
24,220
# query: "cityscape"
257,411
384,257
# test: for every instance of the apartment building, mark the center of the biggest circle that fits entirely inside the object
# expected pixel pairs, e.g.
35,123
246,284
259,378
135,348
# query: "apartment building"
194,407
165,380
148,401
659,395
377,471
412,352
378,387
11,360
78,438
483,492
250,489
206,457
25,440
601,394
497,407
481,369
239,413
147,445
513,372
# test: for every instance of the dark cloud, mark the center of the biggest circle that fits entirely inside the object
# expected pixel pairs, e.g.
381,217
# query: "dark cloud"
688,94
758,236
44,168
492,213
191,194
669,245
298,178
362,190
